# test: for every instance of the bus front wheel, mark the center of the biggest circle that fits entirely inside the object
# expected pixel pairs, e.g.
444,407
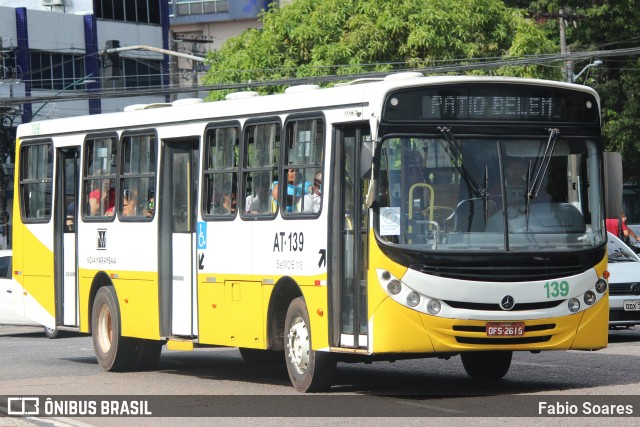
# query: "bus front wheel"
486,365
309,370
113,351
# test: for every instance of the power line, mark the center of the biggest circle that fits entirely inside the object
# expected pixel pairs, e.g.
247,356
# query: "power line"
439,69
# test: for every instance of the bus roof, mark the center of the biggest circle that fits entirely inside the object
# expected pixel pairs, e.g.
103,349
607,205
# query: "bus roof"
358,93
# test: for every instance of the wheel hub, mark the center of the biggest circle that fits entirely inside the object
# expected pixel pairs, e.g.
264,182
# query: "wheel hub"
298,345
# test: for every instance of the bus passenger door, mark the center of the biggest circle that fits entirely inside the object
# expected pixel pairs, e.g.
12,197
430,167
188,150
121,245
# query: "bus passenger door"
348,240
178,210
65,241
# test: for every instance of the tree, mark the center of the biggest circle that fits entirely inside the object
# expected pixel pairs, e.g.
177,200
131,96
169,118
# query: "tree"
308,38
605,25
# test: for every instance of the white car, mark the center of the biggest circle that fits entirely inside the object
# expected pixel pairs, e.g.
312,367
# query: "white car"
11,302
624,284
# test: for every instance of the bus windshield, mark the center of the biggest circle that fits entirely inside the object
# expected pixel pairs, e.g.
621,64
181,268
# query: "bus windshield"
511,194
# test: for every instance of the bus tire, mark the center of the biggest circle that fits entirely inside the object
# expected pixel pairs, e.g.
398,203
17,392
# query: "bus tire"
51,333
309,370
486,365
147,354
113,351
255,356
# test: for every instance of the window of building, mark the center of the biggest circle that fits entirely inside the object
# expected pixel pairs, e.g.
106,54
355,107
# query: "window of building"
303,165
141,73
36,178
221,173
99,176
197,7
57,71
140,11
137,177
8,69
260,169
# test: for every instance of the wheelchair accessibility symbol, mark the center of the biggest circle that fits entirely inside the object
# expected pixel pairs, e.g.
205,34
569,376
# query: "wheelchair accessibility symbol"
202,235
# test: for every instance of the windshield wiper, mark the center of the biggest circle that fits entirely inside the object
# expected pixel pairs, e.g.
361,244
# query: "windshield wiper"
454,152
544,164
540,172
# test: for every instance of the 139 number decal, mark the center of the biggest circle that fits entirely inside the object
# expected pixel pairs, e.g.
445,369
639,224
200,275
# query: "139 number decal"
557,289
292,242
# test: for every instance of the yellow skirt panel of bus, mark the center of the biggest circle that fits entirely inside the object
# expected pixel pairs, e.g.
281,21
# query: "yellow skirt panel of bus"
34,262
593,331
559,333
232,313
138,300
316,299
399,330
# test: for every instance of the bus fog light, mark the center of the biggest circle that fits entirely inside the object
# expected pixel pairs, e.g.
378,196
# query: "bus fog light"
589,297
574,305
386,275
601,286
413,299
434,306
394,287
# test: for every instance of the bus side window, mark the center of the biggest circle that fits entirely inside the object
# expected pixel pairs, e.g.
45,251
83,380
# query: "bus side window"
220,181
99,172
260,169
137,177
304,156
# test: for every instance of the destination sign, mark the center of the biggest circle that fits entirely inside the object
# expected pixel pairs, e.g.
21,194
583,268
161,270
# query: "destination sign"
494,103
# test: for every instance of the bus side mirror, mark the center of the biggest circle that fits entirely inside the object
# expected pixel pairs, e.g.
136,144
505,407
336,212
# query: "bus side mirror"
366,159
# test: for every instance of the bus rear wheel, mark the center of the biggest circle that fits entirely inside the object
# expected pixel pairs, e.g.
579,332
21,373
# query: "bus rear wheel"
113,351
309,370
486,365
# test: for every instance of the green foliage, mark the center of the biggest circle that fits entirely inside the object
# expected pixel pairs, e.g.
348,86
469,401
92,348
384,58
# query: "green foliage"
309,38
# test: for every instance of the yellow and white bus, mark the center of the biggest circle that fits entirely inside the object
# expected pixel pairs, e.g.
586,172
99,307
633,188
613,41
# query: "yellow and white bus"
422,217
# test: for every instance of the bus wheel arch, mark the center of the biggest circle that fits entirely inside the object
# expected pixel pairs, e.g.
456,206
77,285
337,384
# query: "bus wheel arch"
100,280
284,291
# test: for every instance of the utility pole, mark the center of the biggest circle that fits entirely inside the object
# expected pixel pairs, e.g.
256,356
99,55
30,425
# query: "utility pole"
195,66
567,71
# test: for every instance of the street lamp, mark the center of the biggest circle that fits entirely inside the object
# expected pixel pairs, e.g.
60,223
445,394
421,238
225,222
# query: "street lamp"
593,64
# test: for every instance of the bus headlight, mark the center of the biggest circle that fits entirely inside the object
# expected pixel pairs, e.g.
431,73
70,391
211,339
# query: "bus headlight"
574,305
601,286
394,287
589,297
434,306
413,299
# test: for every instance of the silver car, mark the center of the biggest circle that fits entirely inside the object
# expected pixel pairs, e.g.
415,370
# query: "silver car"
624,284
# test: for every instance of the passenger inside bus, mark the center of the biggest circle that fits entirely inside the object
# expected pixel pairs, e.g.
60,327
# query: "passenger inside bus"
103,197
311,202
71,215
294,193
130,202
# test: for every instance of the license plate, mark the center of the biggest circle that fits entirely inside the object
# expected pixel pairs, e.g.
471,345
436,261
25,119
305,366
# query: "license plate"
631,305
505,329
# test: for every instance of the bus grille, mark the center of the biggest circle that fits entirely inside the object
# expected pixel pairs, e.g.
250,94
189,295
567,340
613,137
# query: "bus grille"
501,273
496,307
503,341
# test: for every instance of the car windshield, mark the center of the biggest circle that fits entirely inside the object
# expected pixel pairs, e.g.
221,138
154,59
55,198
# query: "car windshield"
618,251
459,194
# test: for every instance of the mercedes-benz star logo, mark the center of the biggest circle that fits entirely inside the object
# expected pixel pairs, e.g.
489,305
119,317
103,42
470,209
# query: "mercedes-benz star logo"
507,302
